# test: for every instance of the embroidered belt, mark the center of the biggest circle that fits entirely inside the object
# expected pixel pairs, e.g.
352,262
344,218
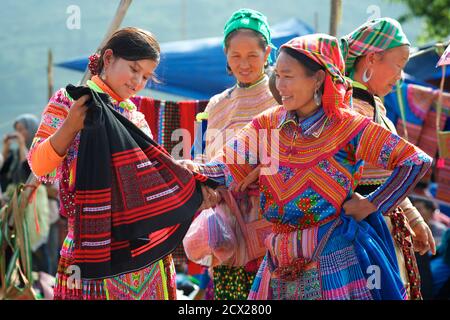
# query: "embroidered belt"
279,227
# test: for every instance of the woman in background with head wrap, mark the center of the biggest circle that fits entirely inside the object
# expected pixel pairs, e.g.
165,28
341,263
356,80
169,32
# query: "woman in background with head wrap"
15,168
247,46
375,55
16,171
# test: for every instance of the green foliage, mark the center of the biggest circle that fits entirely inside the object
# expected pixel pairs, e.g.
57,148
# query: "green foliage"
435,14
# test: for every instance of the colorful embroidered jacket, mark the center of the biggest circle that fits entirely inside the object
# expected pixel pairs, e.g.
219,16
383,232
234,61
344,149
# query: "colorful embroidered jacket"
318,164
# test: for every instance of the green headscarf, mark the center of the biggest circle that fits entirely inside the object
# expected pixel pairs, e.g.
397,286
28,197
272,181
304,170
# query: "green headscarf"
249,19
374,36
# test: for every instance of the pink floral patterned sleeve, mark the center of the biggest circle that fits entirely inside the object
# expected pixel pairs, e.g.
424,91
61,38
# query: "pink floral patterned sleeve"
44,161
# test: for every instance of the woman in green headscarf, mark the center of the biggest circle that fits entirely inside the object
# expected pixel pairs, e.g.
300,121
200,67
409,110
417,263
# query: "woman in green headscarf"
247,46
375,55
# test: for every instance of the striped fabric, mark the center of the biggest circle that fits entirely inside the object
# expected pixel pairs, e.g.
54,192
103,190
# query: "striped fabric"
374,36
339,260
170,121
156,282
163,120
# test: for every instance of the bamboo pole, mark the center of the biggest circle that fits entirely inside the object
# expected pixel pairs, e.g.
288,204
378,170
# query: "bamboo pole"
434,47
115,24
335,16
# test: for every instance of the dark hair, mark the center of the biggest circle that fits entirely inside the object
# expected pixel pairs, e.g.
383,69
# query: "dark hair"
131,44
261,42
273,88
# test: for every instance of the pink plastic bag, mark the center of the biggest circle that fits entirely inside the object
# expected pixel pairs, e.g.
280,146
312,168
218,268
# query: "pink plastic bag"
210,240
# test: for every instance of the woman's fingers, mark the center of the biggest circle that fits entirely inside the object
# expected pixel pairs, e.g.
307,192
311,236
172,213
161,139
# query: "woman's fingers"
431,241
210,198
205,203
81,101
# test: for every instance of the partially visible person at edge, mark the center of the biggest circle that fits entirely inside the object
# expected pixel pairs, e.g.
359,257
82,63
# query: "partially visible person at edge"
375,55
247,46
320,247
1,192
16,171
15,168
123,67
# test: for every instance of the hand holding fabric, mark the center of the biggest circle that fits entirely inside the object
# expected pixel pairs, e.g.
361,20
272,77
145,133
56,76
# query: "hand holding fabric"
210,198
77,114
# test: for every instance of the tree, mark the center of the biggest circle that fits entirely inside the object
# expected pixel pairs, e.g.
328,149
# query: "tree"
436,15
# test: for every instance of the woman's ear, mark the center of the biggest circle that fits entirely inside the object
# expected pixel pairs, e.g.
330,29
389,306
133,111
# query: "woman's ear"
107,57
370,59
267,53
320,75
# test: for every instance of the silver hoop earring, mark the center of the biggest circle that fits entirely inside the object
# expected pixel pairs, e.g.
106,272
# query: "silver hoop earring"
366,77
317,98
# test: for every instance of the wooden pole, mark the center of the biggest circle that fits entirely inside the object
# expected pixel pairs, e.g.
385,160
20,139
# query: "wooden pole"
115,24
335,16
50,73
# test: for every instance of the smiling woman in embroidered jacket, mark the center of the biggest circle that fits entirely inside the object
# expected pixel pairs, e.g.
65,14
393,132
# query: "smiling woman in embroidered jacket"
319,247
